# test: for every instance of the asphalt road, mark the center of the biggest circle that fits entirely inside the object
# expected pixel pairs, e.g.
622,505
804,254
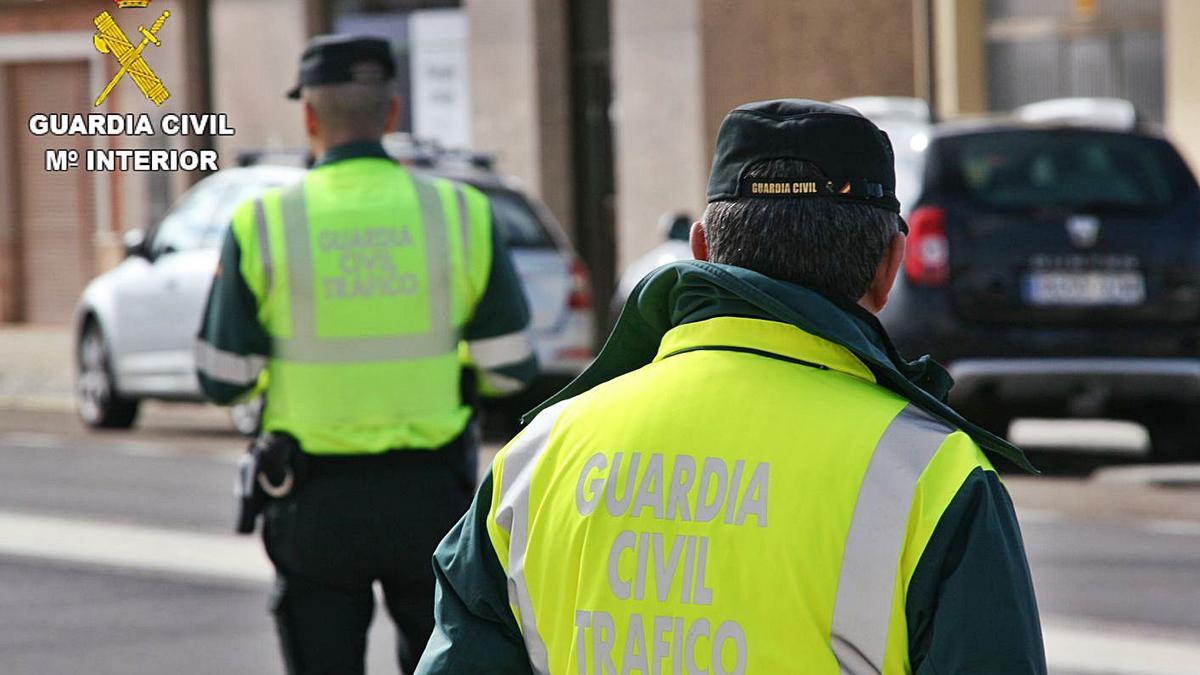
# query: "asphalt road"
116,557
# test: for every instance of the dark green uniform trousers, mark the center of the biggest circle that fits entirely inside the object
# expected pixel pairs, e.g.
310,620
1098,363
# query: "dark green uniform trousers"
354,521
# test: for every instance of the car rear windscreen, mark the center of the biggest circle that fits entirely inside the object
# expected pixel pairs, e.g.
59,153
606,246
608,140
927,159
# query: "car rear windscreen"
517,221
1067,169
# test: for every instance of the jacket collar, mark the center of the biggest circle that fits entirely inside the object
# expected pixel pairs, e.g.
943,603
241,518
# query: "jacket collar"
766,337
353,150
692,291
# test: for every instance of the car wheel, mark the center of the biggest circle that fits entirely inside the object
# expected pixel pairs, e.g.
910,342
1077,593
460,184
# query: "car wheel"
992,418
99,404
1173,437
247,416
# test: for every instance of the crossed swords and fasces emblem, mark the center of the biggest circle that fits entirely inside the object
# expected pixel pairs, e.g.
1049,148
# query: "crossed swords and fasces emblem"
111,40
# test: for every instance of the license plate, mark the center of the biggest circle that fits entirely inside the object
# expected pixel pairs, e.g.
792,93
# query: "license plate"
1085,288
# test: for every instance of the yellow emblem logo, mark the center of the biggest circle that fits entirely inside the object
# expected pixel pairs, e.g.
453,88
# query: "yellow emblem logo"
111,40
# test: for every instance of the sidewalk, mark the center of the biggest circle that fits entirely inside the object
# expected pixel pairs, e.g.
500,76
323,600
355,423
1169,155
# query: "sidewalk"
37,367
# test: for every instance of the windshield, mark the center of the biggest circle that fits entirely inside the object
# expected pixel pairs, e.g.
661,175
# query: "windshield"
1077,170
200,219
516,220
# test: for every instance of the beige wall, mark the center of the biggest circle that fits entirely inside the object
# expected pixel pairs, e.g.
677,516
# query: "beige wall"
1181,44
680,65
658,132
520,96
256,47
818,49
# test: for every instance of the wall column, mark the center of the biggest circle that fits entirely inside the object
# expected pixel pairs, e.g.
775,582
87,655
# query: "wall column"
1181,25
520,96
660,153
960,57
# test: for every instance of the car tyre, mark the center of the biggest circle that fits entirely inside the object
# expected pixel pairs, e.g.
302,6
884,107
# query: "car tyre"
992,418
1173,436
99,404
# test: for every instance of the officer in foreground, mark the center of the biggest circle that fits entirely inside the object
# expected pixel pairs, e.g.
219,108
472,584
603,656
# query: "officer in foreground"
352,292
749,479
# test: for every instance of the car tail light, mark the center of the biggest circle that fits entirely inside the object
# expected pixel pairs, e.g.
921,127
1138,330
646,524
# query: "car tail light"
581,286
927,252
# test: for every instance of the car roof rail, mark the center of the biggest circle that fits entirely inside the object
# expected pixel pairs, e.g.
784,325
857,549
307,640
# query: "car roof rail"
1095,111
889,107
427,152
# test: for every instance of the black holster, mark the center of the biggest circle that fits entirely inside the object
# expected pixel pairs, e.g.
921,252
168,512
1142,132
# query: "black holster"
272,468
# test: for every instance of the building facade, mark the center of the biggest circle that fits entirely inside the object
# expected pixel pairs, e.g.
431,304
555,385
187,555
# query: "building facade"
606,109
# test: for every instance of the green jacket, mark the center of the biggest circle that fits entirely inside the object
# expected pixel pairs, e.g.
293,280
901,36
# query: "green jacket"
970,605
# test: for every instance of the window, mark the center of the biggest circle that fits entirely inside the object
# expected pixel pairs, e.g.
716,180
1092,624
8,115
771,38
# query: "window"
203,215
1076,170
516,220
187,226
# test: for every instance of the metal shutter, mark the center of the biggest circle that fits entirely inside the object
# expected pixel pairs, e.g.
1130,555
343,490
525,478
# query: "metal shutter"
55,211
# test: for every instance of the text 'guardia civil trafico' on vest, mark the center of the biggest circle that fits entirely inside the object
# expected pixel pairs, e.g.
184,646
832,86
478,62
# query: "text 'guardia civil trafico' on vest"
674,566
366,262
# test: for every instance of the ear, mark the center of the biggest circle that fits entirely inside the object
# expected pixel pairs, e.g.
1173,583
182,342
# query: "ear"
876,296
698,241
311,126
393,118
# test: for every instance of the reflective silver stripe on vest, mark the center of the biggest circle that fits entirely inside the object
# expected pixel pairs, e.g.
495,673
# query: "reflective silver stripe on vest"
464,222
867,581
512,515
305,346
226,366
264,243
501,350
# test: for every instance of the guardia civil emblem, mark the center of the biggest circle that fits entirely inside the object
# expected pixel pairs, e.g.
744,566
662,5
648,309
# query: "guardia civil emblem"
112,40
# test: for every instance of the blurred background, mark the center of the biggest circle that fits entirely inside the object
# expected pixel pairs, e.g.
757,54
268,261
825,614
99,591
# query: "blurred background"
1046,153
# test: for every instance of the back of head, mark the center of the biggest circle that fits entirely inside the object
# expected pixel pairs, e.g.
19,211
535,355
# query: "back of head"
348,88
803,192
351,109
828,246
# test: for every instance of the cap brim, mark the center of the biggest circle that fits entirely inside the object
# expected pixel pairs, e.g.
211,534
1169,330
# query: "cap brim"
294,93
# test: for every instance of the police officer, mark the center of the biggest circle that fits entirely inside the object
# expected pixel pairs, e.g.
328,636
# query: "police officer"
361,293
749,479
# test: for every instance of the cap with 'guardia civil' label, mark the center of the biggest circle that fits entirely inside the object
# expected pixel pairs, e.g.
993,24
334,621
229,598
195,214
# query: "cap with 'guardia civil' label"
855,155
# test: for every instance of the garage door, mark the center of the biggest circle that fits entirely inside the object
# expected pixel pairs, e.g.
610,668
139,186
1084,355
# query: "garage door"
55,211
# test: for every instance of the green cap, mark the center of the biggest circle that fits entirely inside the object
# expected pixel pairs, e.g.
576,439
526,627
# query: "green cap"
855,155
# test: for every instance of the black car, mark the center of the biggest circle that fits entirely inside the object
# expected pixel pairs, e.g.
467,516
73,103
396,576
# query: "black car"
1056,271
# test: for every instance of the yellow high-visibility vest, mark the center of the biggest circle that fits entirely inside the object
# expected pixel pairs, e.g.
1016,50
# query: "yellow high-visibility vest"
750,502
364,276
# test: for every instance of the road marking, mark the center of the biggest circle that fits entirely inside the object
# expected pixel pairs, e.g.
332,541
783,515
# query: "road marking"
1150,474
1181,528
1039,516
1118,649
29,439
23,440
1174,527
1071,645
135,547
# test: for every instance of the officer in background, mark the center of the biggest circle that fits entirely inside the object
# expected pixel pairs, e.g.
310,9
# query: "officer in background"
361,293
749,479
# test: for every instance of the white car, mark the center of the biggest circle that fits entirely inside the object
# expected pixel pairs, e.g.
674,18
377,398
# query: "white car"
136,324
674,229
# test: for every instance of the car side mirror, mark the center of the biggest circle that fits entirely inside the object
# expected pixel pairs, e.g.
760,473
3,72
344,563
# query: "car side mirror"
134,242
680,229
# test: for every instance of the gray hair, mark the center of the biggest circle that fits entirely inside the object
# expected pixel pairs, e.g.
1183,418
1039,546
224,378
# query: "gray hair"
352,108
828,246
